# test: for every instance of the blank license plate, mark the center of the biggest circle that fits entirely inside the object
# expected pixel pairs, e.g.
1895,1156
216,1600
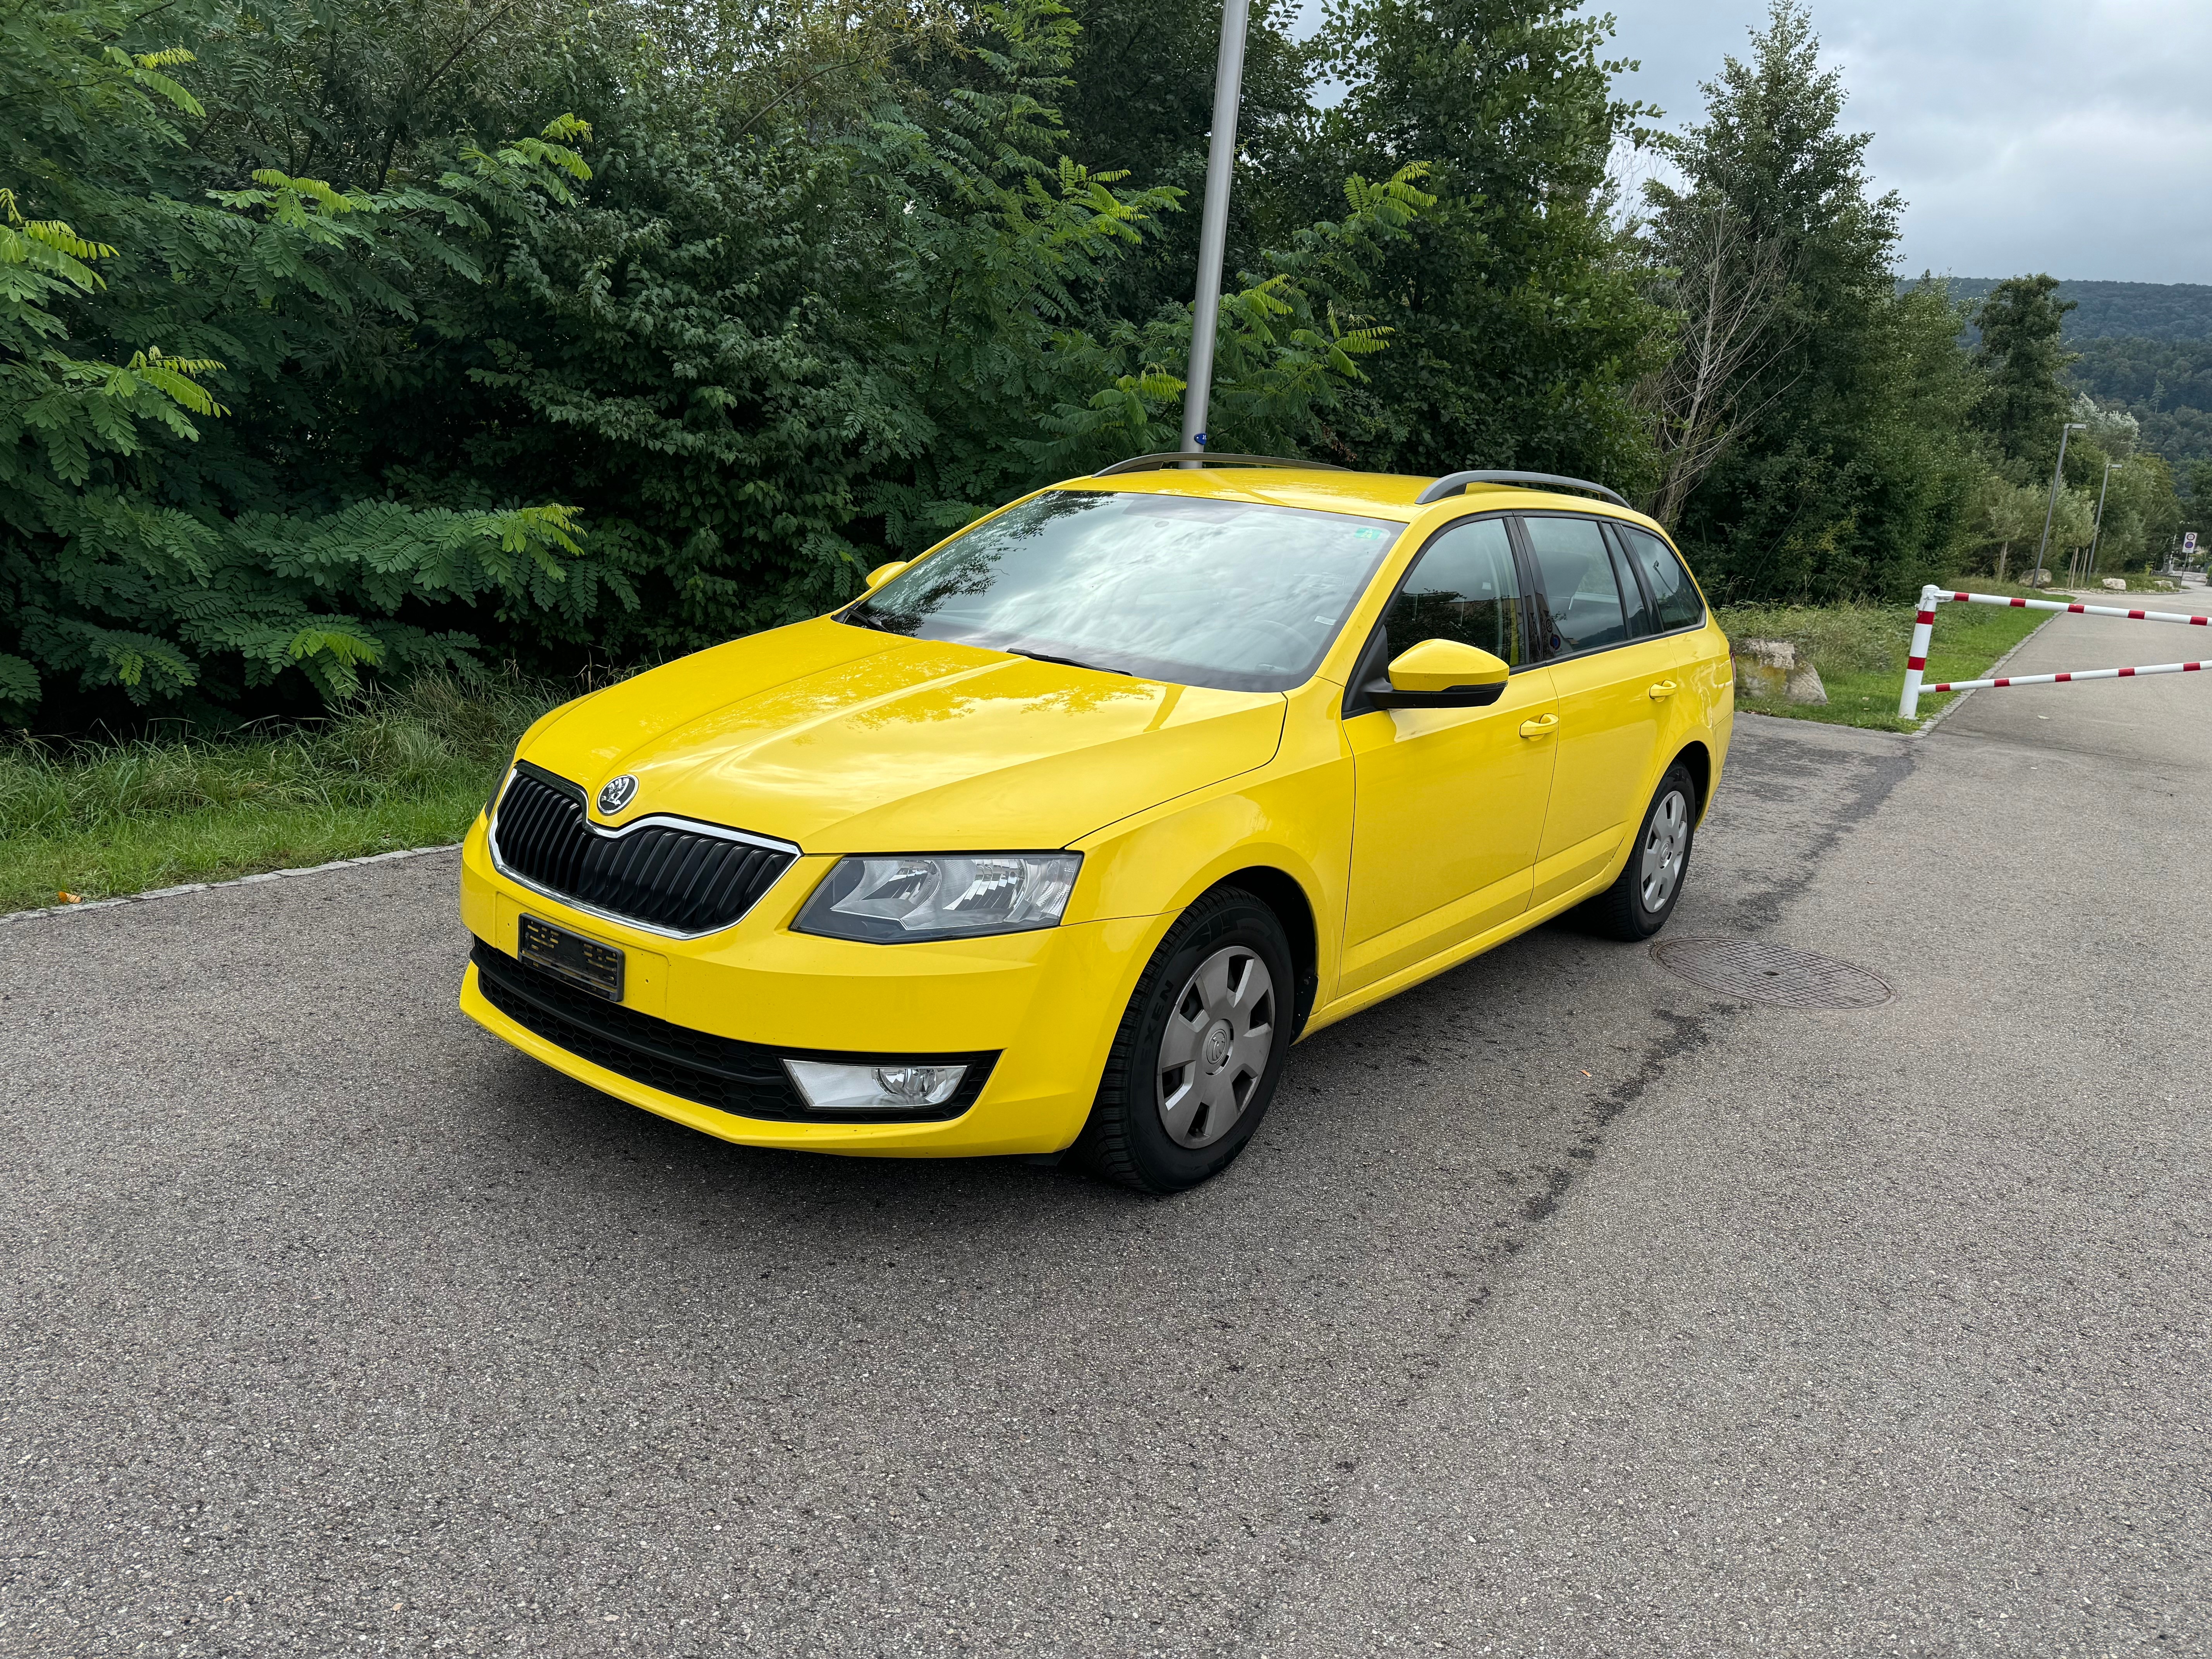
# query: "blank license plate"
584,963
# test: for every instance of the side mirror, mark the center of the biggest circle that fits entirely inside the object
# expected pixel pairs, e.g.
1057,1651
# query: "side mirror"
1442,674
884,572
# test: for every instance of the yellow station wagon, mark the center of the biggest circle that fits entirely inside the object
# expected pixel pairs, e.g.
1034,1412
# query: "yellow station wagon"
1063,833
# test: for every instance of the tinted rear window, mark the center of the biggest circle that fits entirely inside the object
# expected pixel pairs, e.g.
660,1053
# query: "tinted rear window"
1574,583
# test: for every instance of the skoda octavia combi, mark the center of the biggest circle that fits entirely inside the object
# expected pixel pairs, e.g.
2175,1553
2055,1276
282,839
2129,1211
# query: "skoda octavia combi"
1062,834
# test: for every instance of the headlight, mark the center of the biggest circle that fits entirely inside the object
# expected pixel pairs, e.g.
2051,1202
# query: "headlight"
906,898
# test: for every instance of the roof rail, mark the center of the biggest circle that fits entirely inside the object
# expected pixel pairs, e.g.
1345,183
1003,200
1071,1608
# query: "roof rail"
1160,462
1452,482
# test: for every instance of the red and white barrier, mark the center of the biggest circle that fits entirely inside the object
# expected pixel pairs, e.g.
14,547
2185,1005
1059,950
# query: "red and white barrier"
1923,626
2053,604
2062,679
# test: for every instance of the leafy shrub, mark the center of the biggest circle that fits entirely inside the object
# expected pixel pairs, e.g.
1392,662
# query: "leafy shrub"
176,520
260,427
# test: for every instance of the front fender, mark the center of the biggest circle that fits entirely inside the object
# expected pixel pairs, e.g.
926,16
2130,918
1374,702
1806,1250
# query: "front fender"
1294,817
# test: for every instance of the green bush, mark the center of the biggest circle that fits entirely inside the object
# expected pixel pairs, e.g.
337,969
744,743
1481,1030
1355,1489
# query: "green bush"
300,381
178,520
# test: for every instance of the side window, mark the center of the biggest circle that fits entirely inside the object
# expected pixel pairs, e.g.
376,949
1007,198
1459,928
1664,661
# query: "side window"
1578,598
1462,587
1672,590
1640,619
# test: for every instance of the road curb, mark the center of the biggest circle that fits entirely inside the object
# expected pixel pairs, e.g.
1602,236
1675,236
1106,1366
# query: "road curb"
240,881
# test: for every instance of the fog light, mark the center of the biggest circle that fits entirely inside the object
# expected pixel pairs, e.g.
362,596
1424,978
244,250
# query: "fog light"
877,1088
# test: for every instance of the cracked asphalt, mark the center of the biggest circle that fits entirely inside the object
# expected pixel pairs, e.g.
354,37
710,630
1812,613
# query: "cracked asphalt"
1560,1307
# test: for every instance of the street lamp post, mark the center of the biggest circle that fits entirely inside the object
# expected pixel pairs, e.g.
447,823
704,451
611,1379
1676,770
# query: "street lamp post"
2057,473
2090,571
1213,223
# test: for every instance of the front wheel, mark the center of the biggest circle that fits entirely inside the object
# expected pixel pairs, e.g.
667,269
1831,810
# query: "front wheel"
1195,1060
1637,904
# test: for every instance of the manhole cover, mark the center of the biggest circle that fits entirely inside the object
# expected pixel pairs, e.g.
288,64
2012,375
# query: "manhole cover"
1759,972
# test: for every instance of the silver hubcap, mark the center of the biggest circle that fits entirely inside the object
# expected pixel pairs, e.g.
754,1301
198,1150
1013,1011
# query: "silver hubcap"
1665,843
1216,1047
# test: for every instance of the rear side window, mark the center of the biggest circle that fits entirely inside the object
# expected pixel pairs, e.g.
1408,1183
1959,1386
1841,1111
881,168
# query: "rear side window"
1462,587
1578,598
1673,592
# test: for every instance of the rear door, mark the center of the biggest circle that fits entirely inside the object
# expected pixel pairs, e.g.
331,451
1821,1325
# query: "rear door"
1610,685
1678,614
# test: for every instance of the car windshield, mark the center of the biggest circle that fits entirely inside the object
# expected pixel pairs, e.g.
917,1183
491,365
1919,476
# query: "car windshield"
1193,591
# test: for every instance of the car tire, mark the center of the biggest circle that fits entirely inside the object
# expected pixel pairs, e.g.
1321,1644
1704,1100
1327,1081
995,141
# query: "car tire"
1637,904
1189,1077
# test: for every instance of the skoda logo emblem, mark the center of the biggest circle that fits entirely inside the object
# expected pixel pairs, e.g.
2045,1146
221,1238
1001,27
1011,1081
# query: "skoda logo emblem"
618,794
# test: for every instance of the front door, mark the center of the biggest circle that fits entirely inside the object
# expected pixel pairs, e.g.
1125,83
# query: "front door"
1448,803
1605,678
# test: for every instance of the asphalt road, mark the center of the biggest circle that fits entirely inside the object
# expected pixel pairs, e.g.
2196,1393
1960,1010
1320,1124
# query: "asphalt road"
1561,1307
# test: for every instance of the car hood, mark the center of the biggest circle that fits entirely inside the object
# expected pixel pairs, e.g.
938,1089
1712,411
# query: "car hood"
845,740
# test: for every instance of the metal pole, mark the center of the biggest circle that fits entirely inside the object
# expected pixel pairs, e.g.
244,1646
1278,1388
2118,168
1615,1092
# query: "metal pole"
1213,223
2089,570
2057,473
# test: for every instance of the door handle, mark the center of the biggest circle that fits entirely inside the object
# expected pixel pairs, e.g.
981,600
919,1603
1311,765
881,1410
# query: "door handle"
1542,727
1663,690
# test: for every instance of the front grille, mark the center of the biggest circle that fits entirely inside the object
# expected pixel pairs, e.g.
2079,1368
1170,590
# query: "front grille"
659,874
745,1078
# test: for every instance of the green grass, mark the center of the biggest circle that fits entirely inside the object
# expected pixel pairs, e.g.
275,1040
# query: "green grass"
1860,650
408,768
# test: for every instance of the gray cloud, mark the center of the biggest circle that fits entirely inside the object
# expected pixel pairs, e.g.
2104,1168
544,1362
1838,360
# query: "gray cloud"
2025,135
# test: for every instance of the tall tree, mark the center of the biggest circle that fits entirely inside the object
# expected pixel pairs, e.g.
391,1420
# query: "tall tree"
1140,100
2023,365
1731,293
827,284
788,341
1856,479
1517,322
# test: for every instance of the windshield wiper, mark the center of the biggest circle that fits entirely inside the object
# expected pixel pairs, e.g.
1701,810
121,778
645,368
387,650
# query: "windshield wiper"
1064,662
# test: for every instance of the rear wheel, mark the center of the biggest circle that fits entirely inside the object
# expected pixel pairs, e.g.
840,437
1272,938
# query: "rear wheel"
1638,905
1195,1060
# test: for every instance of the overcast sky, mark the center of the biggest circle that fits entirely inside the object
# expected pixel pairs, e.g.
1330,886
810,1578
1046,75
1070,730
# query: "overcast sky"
2025,135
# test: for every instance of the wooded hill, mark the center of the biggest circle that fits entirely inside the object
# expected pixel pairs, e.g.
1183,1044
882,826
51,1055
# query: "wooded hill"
2167,385
2119,310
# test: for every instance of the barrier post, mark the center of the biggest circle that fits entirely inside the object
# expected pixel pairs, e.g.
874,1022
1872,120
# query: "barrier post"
1908,706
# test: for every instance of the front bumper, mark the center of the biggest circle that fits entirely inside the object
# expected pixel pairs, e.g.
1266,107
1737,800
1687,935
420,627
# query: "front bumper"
1035,1013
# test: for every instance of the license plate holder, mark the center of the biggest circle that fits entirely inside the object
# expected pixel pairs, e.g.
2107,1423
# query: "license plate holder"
571,958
